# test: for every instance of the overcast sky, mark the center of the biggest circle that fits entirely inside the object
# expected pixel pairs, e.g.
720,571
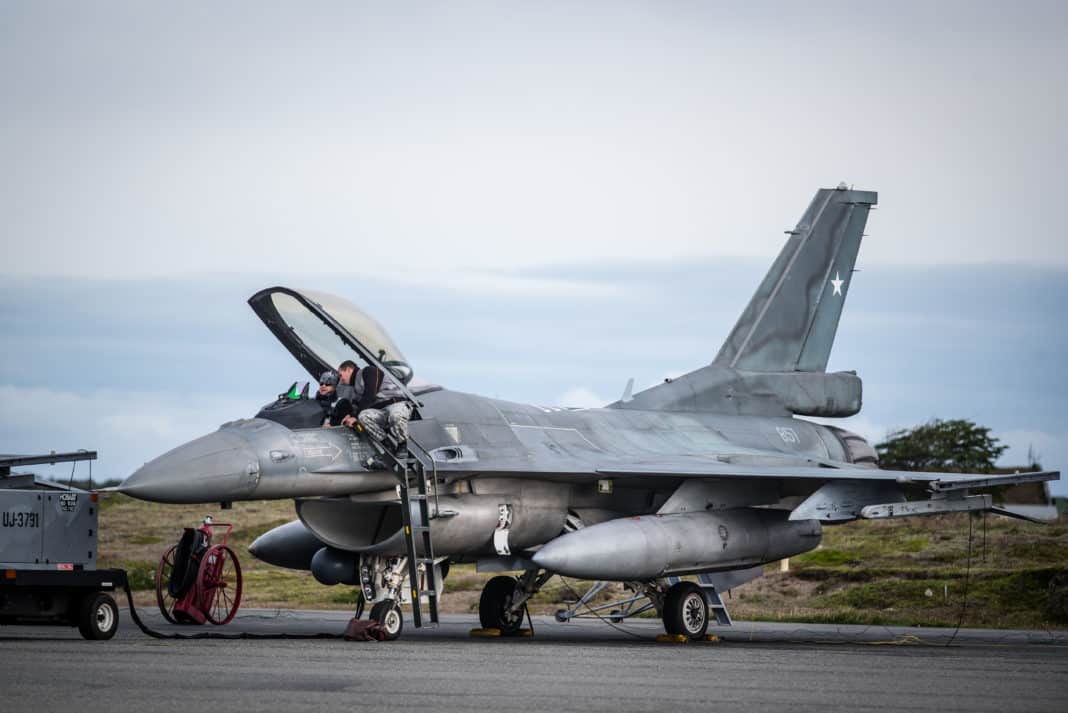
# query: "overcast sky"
531,163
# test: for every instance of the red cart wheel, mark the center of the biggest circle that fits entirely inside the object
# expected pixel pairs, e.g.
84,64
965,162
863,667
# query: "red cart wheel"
219,584
163,580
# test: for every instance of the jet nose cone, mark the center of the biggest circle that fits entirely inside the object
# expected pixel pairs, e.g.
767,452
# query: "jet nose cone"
213,468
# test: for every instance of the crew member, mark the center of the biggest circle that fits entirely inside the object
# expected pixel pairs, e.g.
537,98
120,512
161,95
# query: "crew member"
327,394
357,390
386,416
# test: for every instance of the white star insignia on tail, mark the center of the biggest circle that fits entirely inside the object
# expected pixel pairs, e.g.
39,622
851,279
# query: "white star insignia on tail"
837,283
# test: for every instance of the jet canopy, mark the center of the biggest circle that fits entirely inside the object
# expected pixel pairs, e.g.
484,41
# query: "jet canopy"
323,330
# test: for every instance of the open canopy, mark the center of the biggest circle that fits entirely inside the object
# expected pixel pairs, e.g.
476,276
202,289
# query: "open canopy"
323,330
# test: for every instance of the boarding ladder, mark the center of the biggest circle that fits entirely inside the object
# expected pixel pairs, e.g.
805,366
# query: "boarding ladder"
412,476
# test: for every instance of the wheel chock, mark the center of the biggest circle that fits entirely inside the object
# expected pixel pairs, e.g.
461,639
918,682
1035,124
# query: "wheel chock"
683,639
672,638
496,633
485,633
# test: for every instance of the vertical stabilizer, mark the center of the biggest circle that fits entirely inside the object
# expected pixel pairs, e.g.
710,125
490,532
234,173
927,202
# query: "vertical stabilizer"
791,321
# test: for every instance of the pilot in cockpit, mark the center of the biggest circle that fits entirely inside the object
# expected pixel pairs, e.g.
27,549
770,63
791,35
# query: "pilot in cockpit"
327,394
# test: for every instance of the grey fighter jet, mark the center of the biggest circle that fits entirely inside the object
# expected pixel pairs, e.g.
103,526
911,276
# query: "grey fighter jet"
710,472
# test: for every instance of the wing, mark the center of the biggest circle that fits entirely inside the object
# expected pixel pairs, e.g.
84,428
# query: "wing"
709,467
839,492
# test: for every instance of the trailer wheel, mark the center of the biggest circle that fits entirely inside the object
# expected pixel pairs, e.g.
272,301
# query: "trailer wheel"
98,616
686,611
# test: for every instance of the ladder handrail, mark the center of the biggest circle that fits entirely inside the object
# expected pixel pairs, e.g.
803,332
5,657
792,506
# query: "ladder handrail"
433,471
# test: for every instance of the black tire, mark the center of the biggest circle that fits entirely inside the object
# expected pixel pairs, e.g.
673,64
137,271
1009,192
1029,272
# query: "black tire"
492,606
388,613
186,562
686,611
98,616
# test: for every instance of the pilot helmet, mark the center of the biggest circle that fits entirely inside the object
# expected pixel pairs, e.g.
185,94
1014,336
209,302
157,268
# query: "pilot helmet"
329,378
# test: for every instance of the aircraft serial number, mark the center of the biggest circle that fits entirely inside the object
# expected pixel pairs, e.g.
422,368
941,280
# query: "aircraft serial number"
22,519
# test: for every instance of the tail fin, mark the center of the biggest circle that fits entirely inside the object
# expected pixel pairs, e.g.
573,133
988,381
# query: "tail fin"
791,321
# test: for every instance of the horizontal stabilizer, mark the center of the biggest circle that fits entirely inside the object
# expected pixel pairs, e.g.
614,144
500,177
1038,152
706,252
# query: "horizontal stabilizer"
1017,515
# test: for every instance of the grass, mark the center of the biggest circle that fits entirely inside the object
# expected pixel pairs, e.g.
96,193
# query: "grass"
916,573
911,572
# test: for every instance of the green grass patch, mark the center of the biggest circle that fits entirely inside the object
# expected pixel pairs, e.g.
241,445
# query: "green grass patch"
347,595
914,544
145,540
141,574
825,557
464,582
889,594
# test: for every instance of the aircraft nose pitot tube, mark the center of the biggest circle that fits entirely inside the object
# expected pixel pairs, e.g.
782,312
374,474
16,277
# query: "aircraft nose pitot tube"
258,459
650,546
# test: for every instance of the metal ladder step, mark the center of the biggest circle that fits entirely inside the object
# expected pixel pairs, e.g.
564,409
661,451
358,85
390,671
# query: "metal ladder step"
414,478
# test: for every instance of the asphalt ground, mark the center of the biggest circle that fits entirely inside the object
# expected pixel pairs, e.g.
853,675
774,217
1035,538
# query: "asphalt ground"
578,666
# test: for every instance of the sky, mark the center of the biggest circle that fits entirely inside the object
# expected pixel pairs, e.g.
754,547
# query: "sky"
538,200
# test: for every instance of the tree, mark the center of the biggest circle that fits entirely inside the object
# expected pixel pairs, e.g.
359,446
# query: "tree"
956,446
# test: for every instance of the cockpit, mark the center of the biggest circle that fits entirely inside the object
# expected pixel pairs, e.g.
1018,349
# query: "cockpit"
322,331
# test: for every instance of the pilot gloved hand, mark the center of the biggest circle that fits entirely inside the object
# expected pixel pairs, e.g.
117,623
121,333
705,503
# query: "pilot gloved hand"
349,421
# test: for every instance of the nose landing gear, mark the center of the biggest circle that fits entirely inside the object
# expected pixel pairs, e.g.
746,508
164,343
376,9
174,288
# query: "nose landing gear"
389,616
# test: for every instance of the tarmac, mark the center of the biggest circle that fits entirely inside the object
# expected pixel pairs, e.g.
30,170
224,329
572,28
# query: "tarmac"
584,665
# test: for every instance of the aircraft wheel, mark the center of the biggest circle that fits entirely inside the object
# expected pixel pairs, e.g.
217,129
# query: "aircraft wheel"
388,613
98,616
493,606
686,611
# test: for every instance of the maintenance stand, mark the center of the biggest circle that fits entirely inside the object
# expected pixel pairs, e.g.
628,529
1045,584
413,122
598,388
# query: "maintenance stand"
48,535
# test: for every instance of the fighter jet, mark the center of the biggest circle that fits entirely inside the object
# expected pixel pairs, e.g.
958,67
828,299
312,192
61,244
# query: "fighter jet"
711,472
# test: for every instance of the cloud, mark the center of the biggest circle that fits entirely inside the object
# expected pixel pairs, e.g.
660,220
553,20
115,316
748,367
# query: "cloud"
580,397
498,284
126,428
1048,448
639,130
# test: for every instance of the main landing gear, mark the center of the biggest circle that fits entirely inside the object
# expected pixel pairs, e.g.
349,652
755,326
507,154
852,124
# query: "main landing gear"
503,603
683,606
685,611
